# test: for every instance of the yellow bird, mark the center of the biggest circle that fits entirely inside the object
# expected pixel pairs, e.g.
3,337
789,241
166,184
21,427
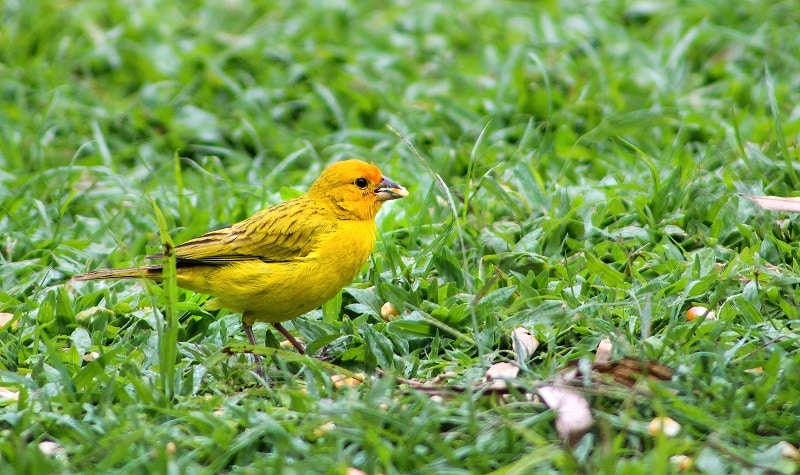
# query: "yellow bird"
288,259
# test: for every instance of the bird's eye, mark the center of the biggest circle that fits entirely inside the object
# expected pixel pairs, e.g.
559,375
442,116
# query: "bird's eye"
361,183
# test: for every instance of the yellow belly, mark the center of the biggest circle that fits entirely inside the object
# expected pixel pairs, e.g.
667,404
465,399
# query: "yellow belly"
276,292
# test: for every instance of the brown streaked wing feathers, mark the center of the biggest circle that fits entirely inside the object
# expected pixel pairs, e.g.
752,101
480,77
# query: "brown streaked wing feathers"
279,234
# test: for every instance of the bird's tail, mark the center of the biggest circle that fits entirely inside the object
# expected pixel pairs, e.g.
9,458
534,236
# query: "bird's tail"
147,272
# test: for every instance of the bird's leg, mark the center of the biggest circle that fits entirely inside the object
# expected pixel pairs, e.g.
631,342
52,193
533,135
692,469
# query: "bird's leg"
289,337
248,328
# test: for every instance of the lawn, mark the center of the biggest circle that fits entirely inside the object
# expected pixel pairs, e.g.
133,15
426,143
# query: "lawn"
576,169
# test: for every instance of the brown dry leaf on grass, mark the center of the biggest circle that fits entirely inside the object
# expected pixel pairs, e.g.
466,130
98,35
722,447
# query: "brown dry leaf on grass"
499,373
604,351
776,203
5,318
523,343
502,370
573,414
8,394
626,371
564,393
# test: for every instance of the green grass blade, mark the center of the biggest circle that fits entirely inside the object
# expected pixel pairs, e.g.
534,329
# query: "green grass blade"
168,328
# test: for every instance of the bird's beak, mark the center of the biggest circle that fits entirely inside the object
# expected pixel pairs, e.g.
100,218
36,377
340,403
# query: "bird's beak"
389,190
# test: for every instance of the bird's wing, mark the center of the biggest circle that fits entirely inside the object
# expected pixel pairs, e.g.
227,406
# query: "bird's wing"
282,233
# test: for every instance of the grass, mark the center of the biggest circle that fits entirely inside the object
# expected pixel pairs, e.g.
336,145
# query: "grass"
580,173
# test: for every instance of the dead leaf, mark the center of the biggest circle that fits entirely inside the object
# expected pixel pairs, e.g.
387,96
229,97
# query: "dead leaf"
498,374
5,318
502,370
776,203
573,415
6,393
50,448
628,371
789,451
523,343
604,350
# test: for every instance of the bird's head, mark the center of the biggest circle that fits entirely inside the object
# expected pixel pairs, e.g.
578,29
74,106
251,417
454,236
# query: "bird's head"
355,189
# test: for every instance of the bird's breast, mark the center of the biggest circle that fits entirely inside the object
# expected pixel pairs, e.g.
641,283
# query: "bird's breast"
344,251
